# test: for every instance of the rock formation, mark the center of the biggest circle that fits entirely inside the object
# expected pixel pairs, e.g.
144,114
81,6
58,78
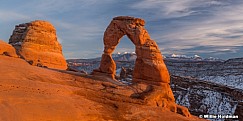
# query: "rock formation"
28,93
125,73
150,76
36,42
7,49
149,58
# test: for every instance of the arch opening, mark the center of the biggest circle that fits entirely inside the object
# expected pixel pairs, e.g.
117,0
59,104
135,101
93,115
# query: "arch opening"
125,45
125,57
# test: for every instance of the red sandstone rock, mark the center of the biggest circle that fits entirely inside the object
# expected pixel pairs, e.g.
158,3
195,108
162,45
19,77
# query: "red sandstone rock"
149,69
37,43
7,49
28,93
149,64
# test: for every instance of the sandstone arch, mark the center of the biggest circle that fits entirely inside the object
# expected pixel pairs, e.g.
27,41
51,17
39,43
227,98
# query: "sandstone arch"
149,64
150,73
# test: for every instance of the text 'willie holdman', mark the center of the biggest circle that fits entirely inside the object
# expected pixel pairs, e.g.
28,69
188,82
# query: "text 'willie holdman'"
219,116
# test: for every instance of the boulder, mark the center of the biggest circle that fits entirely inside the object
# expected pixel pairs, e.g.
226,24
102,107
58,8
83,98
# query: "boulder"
36,42
7,49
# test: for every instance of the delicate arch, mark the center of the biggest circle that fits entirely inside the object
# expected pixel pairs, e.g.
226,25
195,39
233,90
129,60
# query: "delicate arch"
149,67
149,64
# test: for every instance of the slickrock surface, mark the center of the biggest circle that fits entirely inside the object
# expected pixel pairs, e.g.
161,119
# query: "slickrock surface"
29,93
150,73
36,42
7,49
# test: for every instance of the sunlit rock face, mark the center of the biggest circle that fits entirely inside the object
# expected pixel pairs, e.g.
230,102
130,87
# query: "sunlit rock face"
36,42
7,49
149,64
150,76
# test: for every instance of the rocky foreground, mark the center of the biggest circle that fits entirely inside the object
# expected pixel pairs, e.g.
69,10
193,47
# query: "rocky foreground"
34,93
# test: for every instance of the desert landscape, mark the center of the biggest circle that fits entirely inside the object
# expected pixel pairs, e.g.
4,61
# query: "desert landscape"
139,60
37,94
36,83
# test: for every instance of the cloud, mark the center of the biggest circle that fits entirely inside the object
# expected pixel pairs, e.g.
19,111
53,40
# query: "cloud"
8,16
213,23
178,26
174,8
75,22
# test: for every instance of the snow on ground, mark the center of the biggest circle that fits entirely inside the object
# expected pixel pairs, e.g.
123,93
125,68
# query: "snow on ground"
235,81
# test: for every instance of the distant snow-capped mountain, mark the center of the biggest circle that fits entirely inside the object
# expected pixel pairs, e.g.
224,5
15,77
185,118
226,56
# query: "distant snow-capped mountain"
126,56
184,56
131,56
191,58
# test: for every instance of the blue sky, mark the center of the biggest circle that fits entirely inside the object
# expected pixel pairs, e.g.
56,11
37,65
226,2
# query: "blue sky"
203,27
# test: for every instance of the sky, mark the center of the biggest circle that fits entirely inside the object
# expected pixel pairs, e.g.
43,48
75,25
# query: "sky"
208,28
